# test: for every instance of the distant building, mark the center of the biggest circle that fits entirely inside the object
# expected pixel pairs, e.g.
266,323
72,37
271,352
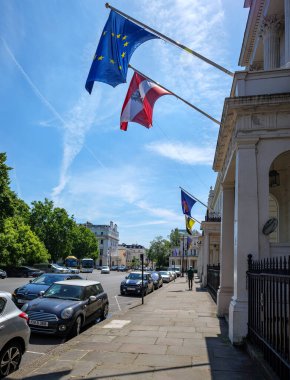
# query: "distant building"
186,254
132,253
108,237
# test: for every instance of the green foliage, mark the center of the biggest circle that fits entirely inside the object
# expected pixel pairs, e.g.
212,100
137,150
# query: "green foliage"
84,243
159,251
174,238
18,244
54,227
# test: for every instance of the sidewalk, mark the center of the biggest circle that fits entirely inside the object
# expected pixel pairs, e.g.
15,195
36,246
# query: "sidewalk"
174,335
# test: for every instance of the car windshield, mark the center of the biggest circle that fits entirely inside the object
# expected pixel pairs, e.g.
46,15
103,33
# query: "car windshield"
45,279
136,276
66,292
164,273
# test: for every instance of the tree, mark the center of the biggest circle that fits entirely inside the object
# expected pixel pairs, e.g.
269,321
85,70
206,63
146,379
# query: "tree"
159,251
174,238
84,243
18,244
10,204
54,227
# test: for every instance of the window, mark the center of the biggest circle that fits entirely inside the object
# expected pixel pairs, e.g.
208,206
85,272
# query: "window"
99,289
102,241
2,304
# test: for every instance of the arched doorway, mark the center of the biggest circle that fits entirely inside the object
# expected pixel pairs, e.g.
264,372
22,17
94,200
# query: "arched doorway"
279,198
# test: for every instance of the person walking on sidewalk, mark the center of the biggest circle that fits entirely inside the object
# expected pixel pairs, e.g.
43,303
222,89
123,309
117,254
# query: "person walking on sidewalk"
190,274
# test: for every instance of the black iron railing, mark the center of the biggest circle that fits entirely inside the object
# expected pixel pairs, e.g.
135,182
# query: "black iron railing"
213,280
269,311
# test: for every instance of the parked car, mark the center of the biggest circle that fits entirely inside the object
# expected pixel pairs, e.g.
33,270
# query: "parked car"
173,275
3,274
66,306
133,284
32,290
105,269
122,268
157,280
165,276
23,271
176,270
52,268
114,267
14,335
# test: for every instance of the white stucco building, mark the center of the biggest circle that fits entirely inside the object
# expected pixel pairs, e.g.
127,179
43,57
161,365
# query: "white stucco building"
108,237
252,159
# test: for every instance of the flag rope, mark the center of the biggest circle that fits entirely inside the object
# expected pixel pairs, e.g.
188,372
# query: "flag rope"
178,97
192,196
173,42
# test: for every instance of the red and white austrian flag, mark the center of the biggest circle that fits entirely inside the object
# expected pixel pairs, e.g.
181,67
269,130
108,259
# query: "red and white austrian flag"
139,102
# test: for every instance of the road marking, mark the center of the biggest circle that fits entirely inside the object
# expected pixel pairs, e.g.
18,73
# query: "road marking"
38,353
118,303
116,324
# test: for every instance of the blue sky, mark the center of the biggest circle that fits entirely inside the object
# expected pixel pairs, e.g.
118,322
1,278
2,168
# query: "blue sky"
66,145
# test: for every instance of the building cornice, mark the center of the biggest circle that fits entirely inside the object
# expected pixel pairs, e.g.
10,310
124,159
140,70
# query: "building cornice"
252,30
233,107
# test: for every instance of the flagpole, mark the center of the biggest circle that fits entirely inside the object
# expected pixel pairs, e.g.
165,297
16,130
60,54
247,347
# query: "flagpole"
195,198
191,217
168,39
178,97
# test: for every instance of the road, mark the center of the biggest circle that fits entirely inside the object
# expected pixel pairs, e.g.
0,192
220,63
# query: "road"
41,344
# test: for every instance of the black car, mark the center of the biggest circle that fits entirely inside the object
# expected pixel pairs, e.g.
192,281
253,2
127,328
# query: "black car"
157,280
23,271
66,307
3,274
133,284
32,290
122,268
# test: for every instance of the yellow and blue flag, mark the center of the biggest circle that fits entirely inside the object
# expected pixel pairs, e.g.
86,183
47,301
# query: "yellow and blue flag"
186,203
189,223
119,40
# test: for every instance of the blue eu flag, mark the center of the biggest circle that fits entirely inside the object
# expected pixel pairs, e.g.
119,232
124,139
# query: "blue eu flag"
118,42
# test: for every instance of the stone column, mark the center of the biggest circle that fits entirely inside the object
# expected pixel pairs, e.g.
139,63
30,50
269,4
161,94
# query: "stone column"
270,30
205,257
225,291
246,235
287,32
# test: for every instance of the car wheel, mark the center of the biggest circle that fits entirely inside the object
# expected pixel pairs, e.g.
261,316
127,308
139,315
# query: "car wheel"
76,329
10,358
105,312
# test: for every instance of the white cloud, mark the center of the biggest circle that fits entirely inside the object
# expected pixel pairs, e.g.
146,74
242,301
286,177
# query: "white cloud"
183,153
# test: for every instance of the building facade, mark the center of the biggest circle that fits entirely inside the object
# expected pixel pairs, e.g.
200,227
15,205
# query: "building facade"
252,159
187,253
108,237
132,254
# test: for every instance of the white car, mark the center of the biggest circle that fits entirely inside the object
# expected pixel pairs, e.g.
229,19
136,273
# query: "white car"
105,269
59,269
14,335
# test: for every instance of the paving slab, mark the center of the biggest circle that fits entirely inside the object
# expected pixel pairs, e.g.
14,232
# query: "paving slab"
175,334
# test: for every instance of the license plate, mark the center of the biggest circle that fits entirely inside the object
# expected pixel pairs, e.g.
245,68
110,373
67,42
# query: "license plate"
38,323
129,288
19,300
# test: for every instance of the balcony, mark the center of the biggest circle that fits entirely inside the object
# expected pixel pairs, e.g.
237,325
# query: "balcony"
252,83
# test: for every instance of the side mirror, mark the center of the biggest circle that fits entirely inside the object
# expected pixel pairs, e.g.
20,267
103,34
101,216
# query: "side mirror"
126,277
92,299
41,293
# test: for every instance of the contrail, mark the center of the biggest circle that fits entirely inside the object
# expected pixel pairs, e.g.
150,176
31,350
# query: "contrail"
32,85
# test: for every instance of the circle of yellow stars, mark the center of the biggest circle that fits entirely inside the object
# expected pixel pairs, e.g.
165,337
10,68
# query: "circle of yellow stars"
123,55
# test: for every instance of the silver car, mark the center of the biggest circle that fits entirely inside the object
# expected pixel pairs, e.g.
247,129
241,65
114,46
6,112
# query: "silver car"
14,335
